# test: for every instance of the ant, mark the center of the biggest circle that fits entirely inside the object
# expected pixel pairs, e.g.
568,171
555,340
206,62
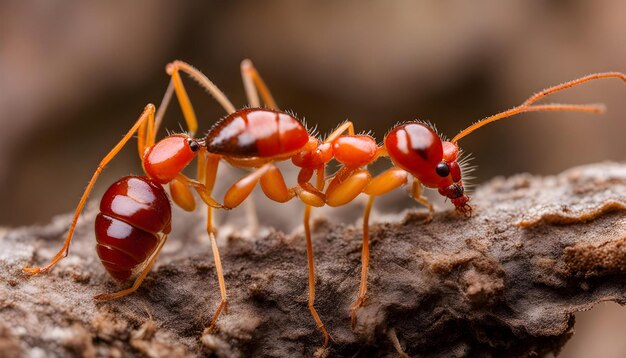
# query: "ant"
135,212
416,150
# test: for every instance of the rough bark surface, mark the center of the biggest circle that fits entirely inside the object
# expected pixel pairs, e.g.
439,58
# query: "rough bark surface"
504,282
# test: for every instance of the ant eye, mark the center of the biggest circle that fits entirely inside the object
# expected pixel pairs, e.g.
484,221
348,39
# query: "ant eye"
443,170
193,145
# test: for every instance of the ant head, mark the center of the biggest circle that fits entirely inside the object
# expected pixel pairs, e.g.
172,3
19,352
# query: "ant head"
167,158
453,189
418,149
313,155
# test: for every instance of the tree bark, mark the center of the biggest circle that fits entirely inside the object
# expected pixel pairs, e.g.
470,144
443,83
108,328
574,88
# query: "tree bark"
505,282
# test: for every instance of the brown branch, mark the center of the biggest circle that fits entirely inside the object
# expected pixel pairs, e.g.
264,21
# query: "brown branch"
504,282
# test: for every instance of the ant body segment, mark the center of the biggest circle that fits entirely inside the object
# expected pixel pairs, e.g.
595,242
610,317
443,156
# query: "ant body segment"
135,212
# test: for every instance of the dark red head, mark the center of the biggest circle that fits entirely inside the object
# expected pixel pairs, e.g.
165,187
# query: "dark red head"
416,148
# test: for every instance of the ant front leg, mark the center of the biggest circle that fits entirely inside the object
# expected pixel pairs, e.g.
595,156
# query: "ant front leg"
380,185
309,194
416,194
207,172
346,185
145,126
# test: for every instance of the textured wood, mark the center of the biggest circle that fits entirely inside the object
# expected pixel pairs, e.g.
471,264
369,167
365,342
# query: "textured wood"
504,282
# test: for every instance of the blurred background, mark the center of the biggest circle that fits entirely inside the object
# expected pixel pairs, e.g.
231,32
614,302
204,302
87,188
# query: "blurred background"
74,76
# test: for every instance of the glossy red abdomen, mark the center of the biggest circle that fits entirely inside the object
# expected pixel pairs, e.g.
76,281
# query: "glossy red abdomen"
256,132
417,149
134,213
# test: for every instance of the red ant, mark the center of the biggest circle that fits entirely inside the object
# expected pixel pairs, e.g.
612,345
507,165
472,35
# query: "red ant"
417,150
135,212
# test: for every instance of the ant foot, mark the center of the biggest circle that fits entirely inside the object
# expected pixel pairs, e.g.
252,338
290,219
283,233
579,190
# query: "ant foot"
32,271
223,306
353,309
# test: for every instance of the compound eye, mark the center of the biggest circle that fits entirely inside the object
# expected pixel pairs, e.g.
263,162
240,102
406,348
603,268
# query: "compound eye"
193,145
442,169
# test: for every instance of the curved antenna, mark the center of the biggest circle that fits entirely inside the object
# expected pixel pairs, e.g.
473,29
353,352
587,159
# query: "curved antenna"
528,107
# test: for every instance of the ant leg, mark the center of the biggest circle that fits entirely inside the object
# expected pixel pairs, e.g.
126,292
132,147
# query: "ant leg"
139,280
272,183
201,189
173,70
220,276
146,116
253,84
180,189
210,174
416,193
345,126
165,102
396,343
274,187
380,185
320,182
306,192
242,188
207,172
347,185
253,81
181,195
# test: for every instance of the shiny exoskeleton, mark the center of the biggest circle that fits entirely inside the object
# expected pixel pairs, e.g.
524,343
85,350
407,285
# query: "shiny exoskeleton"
134,215
135,212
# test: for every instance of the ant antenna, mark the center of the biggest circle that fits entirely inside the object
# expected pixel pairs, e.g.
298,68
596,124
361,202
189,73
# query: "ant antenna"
528,107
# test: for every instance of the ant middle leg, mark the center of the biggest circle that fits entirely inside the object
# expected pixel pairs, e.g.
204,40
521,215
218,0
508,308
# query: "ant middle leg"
346,185
380,185
272,183
416,194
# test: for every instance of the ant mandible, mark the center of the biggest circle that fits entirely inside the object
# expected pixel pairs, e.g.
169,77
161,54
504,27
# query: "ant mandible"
415,149
135,213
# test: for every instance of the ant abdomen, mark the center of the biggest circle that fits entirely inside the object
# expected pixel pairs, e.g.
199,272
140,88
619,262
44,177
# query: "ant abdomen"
134,213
